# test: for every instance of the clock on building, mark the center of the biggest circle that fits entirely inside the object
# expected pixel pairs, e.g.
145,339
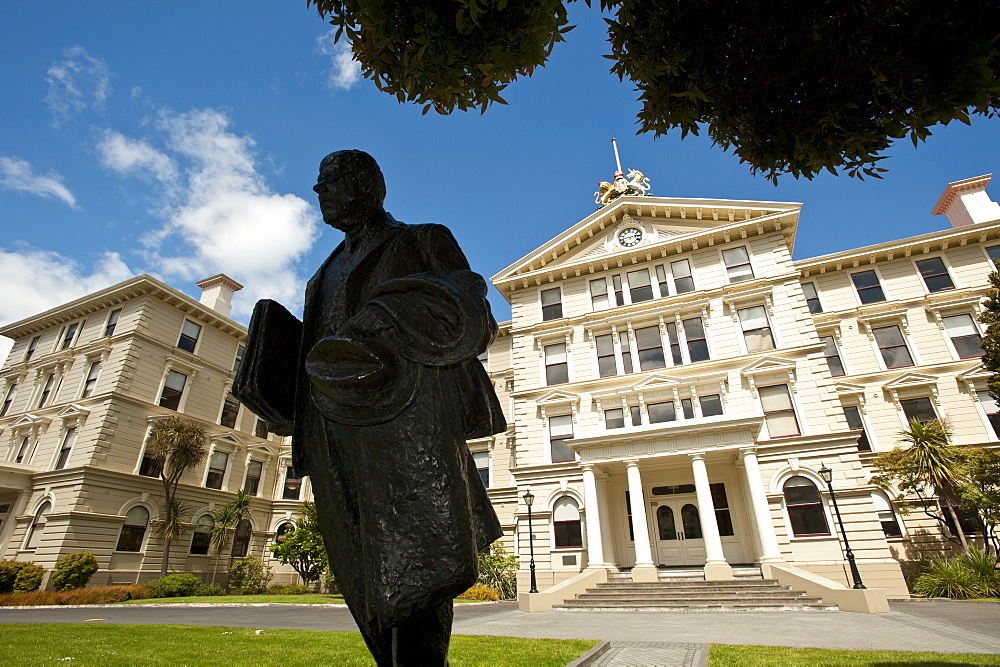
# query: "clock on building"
629,237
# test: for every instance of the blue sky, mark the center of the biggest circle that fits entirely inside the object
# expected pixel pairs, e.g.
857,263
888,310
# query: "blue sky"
182,139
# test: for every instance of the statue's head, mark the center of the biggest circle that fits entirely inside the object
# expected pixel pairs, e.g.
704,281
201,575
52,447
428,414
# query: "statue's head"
351,189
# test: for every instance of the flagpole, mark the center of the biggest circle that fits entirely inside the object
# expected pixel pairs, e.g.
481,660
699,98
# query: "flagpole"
618,161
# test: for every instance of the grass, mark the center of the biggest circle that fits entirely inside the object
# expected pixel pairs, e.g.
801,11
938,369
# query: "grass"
727,654
44,643
307,598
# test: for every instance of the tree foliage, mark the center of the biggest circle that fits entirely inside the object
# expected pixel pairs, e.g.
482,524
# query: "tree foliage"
227,517
991,341
303,547
792,87
176,445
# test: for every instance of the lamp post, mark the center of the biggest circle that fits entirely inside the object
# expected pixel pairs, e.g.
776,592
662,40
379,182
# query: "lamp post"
528,499
828,478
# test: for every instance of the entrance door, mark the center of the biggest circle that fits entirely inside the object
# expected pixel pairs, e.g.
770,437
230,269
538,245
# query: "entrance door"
678,532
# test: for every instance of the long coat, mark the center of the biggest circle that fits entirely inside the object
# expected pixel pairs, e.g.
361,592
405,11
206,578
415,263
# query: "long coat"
401,506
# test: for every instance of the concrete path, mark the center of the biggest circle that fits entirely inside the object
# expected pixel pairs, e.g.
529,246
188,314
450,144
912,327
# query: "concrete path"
947,627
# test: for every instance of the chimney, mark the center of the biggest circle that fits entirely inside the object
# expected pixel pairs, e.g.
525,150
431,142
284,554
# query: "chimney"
217,293
966,202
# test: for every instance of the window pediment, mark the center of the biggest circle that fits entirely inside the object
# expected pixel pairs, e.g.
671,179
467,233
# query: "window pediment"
910,384
977,375
557,399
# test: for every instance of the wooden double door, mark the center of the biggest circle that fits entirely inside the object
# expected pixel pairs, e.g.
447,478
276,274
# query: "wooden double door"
677,529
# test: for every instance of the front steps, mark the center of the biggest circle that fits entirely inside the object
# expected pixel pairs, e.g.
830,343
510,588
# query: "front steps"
680,591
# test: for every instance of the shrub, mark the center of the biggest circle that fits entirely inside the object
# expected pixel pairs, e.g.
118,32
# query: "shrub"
210,589
8,573
97,595
480,592
949,578
498,571
174,586
29,578
982,563
250,575
290,589
74,571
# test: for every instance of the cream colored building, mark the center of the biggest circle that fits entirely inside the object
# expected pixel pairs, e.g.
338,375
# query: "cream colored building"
678,381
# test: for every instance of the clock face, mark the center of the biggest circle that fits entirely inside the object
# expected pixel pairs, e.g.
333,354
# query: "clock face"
629,237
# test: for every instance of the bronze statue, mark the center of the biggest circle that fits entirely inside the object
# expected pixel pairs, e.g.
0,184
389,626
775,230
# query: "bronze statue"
387,389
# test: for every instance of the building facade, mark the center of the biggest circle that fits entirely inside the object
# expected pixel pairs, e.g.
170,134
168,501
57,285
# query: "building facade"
672,379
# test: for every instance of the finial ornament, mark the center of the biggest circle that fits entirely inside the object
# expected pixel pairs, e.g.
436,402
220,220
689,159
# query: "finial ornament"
635,183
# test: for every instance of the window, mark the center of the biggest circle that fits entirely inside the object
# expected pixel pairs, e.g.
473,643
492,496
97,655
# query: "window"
737,263
150,466
70,334
626,352
639,286
189,336
560,430
697,343
556,365
964,336
661,412
675,343
756,330
650,346
241,539
551,304
614,418
805,508
46,390
868,287
254,471
31,347
173,387
992,410
37,526
283,529
599,294
812,298
883,507
721,503
202,538
921,409
293,484
711,405
216,469
22,450
606,364
616,282
687,407
91,382
260,429
109,328
854,422
635,415
238,361
779,414
832,355
661,280
566,524
230,411
683,280
891,344
935,275
136,520
8,399
482,460
67,446
994,254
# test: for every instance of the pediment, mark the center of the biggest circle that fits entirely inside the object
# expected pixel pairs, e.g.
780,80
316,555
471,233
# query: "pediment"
658,381
557,397
72,410
228,439
907,380
266,448
848,388
769,365
28,420
979,371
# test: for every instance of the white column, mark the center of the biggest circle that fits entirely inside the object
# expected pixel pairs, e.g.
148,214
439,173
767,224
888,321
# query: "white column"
716,566
606,531
645,569
770,551
595,545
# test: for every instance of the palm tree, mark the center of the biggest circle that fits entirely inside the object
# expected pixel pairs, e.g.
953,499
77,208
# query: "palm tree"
227,517
176,445
170,525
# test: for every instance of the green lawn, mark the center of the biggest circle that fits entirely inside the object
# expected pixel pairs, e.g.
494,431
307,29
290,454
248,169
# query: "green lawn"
96,644
727,655
308,598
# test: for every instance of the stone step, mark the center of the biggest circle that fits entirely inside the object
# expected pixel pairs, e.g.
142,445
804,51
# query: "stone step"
699,608
719,595
770,583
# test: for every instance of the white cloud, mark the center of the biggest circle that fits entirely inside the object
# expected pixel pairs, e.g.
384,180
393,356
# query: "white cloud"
32,281
78,81
126,155
226,219
344,71
17,174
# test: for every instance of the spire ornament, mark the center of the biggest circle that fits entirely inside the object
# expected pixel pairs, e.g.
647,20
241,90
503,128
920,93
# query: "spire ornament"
635,183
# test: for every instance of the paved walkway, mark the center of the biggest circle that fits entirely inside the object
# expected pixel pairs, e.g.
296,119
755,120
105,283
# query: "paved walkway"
634,638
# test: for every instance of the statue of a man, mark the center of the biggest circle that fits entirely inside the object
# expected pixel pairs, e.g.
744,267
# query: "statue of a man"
387,389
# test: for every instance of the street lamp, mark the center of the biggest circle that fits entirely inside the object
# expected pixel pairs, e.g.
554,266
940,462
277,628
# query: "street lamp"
827,475
528,499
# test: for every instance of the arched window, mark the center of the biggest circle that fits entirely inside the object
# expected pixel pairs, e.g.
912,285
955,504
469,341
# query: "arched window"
136,520
566,523
890,524
202,538
241,540
691,522
37,526
805,507
279,535
665,523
